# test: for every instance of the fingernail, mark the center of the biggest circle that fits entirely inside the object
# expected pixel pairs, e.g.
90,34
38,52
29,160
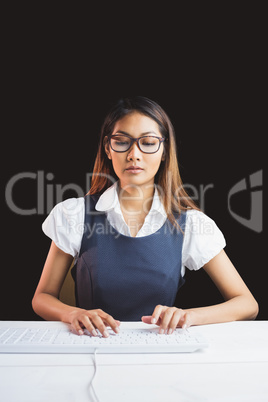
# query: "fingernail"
170,331
105,334
116,330
94,332
161,331
81,332
153,320
184,326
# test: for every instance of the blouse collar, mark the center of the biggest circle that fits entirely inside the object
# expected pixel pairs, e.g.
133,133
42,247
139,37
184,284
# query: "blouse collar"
109,201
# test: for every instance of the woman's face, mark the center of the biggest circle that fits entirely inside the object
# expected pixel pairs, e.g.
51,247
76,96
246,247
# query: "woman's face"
136,125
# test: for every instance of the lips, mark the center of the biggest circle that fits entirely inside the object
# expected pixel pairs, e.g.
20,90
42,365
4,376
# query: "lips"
134,169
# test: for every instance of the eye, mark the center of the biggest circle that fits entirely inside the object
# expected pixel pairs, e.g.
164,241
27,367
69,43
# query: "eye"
120,140
120,143
149,141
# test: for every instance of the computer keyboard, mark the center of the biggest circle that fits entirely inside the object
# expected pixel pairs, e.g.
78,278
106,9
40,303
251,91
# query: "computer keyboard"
53,340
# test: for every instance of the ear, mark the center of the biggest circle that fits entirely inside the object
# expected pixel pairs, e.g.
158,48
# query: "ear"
107,147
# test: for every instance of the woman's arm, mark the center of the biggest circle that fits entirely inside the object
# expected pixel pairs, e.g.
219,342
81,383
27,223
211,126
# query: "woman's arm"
239,304
46,301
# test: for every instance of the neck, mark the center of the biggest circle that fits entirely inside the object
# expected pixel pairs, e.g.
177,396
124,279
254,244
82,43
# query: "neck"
136,199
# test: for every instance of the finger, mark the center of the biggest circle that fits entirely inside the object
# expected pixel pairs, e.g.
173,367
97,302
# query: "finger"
111,322
77,327
166,319
156,316
108,320
185,321
178,317
85,320
147,319
99,324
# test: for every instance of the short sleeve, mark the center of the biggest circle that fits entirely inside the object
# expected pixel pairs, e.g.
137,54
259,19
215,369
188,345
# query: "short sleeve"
65,225
203,240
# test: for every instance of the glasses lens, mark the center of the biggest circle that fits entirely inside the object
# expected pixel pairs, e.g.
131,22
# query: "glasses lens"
120,143
149,144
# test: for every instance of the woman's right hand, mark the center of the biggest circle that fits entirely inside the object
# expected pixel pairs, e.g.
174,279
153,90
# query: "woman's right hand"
91,320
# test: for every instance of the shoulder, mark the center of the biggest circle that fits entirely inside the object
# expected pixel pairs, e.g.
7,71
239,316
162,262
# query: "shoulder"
65,224
71,204
198,222
203,239
72,208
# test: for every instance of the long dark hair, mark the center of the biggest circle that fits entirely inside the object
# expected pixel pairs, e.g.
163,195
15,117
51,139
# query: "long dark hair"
167,180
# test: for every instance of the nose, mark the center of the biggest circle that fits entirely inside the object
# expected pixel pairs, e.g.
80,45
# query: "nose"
134,153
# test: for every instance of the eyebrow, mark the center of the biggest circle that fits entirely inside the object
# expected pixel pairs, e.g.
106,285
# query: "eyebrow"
124,132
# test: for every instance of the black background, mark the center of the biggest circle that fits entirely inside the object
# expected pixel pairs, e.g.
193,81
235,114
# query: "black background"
64,69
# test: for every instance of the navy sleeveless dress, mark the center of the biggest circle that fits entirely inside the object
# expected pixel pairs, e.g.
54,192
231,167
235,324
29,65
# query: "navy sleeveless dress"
126,277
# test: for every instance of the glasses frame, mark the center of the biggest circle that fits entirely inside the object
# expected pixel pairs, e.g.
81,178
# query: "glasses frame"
132,140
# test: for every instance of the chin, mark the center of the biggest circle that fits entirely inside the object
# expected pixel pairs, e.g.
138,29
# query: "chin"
137,181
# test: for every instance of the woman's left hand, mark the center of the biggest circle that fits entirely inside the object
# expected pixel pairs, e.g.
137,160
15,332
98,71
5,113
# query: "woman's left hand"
169,318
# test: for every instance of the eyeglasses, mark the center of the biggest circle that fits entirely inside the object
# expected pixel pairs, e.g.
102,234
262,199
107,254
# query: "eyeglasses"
148,144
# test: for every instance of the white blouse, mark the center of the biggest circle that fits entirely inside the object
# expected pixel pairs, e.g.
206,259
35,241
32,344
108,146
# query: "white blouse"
64,225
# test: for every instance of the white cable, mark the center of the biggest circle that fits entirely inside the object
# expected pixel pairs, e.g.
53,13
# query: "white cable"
92,387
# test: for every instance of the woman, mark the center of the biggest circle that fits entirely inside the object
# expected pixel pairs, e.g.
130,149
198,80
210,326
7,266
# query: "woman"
140,230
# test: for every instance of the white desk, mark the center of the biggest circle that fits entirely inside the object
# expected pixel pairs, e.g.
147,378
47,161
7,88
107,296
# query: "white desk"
233,368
